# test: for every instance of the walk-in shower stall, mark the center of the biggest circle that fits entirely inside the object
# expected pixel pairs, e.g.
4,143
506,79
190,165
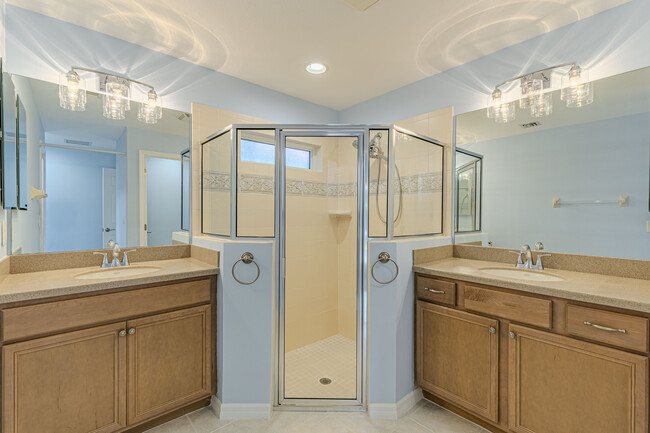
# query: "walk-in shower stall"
322,193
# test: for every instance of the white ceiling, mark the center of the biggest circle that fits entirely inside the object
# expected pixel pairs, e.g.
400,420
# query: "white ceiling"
371,52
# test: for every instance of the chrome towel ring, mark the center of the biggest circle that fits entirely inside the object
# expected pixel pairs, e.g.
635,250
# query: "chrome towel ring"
384,257
246,258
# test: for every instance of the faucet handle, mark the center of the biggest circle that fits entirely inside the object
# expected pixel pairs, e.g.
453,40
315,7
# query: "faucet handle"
105,261
539,265
125,259
519,261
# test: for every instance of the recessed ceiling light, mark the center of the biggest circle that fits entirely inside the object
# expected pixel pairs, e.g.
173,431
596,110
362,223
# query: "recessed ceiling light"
316,68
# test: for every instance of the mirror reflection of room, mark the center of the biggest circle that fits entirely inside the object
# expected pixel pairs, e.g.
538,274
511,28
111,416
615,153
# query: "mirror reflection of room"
84,179
575,180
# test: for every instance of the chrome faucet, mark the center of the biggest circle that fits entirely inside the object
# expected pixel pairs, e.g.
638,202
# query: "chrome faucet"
525,249
116,252
528,264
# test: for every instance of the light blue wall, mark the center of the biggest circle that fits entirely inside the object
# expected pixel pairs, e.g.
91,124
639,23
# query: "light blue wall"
73,218
609,43
41,47
590,161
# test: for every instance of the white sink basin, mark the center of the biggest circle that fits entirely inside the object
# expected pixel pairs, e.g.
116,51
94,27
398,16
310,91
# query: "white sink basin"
127,271
522,274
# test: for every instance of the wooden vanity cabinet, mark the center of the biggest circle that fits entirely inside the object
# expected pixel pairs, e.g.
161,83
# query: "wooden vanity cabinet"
116,377
457,357
168,361
73,382
549,370
558,384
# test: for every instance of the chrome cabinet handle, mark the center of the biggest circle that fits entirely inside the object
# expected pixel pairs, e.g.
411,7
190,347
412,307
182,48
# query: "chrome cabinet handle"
439,292
246,258
122,333
493,330
384,257
605,328
131,331
511,334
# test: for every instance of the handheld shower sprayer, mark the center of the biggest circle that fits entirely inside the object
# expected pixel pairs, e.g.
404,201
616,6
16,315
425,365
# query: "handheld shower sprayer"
375,152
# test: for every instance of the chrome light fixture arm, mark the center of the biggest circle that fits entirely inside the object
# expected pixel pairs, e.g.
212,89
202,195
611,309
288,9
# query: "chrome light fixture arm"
95,71
519,77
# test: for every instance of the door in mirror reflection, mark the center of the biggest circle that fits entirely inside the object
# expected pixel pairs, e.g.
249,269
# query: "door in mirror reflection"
163,199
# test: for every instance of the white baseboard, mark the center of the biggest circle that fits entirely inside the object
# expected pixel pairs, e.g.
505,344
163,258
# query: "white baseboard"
395,410
240,411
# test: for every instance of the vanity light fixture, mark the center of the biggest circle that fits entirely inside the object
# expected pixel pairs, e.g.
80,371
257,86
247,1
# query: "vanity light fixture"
116,95
316,68
72,91
150,110
498,110
577,91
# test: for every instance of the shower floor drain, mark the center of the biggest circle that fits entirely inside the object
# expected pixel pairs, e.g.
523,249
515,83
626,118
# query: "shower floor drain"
325,380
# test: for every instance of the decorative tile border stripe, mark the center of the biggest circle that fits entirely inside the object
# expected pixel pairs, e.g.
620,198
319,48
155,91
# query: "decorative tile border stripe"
259,184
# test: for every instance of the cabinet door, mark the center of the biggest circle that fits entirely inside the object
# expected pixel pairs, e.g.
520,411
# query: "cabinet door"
457,358
561,385
69,383
169,361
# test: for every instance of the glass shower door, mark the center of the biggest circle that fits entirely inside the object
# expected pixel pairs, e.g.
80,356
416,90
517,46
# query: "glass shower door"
321,292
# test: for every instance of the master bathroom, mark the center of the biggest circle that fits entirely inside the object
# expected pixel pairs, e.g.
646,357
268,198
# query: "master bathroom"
355,215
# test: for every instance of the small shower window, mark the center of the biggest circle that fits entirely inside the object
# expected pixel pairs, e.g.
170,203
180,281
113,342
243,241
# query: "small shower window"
257,151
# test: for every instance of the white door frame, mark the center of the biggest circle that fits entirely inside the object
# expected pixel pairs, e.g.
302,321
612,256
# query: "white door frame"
142,175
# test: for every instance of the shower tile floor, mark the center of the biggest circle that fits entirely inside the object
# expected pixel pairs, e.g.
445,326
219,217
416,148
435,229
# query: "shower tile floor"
333,358
425,417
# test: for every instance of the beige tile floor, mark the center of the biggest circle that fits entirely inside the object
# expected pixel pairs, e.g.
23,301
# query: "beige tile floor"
334,358
425,417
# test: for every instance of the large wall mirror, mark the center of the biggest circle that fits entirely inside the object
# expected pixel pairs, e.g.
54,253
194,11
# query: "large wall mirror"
77,180
576,180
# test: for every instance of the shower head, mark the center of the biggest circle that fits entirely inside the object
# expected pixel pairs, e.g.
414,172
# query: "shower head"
374,150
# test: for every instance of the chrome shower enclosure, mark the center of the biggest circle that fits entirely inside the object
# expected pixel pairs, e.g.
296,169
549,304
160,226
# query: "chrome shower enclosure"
318,192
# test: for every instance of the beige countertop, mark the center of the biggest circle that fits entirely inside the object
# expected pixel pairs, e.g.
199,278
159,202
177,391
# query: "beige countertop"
629,293
46,284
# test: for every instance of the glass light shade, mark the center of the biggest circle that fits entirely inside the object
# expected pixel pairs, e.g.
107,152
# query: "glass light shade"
577,90
150,109
72,91
498,110
542,105
530,90
117,99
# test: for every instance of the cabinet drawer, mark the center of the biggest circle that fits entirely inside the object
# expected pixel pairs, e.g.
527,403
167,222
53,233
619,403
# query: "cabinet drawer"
52,317
630,332
431,289
518,308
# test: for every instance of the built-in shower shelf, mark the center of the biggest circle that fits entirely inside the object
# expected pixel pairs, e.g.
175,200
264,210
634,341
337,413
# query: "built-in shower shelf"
341,213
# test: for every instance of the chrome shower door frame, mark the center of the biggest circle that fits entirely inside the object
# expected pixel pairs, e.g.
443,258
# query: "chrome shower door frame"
361,134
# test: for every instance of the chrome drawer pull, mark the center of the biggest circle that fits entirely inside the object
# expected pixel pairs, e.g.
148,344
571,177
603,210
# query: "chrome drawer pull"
439,292
605,328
